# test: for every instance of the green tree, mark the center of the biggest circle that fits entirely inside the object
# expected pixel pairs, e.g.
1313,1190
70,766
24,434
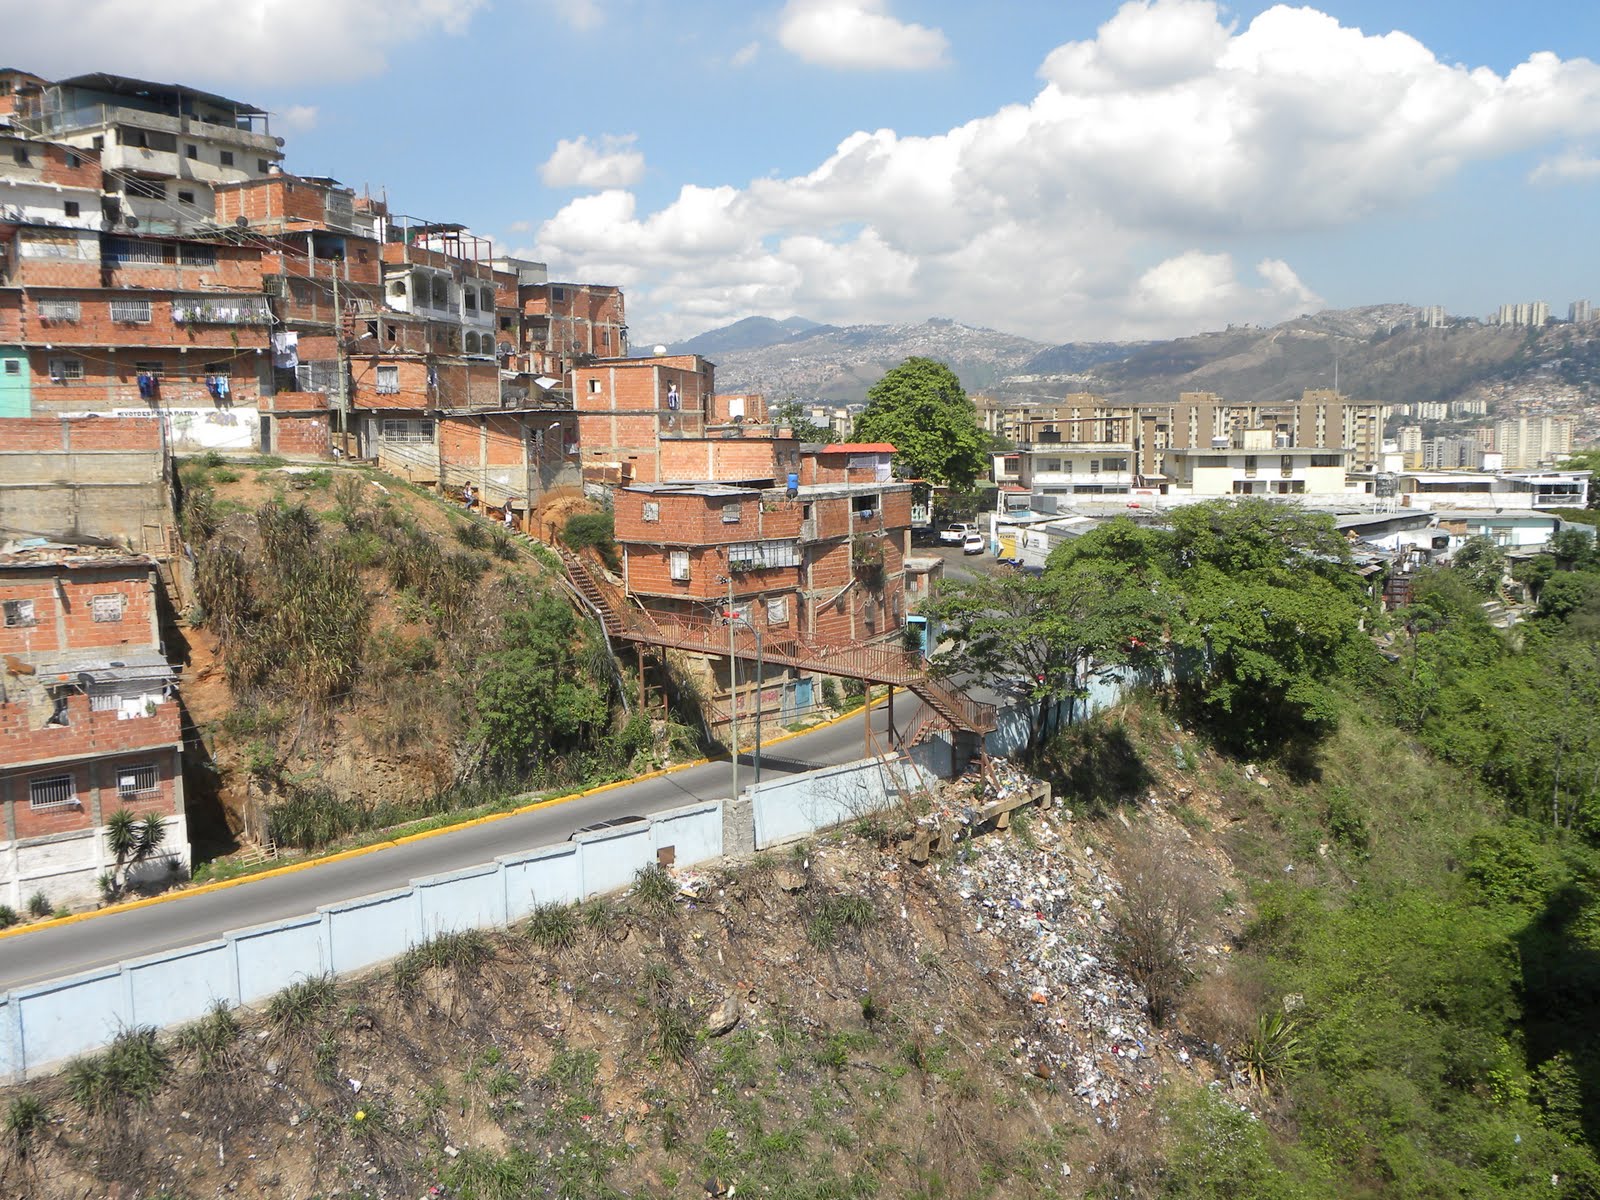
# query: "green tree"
922,409
1481,563
536,699
1259,604
1041,640
793,414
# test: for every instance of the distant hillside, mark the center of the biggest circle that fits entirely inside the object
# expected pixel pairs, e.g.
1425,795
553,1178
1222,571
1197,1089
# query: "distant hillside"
838,365
752,333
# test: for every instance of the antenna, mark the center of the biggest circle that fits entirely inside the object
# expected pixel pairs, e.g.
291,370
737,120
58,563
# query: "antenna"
131,221
241,222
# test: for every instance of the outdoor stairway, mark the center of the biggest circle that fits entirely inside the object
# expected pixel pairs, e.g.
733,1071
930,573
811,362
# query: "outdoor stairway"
871,664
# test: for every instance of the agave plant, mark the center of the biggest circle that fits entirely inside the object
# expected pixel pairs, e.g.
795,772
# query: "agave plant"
1271,1053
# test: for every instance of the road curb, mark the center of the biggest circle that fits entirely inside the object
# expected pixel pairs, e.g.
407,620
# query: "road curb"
422,835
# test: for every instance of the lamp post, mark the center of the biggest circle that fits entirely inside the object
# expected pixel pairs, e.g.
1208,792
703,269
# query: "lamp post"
733,684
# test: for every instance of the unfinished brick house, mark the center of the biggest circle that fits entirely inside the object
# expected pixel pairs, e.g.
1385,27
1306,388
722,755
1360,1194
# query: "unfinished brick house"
811,557
88,717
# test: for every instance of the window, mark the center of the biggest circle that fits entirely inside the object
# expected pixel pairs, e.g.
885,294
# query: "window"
197,256
148,189
100,142
558,295
470,299
778,611
13,367
74,162
1115,464
19,614
263,166
730,514
108,607
191,151
652,510
1324,460
118,250
758,556
594,387
678,563
471,341
20,156
227,158
51,791
134,311
58,310
388,381
70,208
1050,465
185,197
134,782
486,296
414,430
505,323
155,370
63,369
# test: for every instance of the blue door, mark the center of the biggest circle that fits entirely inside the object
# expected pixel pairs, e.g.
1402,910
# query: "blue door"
16,392
802,695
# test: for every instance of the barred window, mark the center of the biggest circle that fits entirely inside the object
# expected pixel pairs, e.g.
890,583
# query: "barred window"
652,510
107,607
63,369
134,782
388,381
757,556
136,311
19,613
156,370
192,254
116,250
317,377
51,791
58,310
414,430
678,563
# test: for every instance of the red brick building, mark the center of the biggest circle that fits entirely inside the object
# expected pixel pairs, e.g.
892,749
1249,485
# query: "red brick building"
88,717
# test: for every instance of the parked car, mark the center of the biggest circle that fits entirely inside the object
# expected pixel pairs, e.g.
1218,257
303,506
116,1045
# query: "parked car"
956,535
972,543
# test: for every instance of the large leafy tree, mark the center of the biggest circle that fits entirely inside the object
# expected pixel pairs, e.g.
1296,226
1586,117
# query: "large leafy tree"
536,699
1041,640
1259,603
921,407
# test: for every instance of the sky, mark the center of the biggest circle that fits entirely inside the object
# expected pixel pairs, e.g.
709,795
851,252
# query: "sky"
1064,170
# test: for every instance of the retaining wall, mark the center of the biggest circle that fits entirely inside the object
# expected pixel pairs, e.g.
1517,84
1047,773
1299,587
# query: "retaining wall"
44,1024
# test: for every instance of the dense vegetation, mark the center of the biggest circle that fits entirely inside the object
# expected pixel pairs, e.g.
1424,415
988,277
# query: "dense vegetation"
343,620
1414,998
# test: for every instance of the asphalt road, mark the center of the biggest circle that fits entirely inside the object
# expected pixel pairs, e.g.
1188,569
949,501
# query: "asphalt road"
55,952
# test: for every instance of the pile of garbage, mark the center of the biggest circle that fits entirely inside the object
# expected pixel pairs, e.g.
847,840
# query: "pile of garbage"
1048,904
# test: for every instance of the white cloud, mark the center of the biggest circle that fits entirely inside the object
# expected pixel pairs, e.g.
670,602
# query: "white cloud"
858,35
745,54
177,40
1570,166
579,163
581,15
298,118
1169,139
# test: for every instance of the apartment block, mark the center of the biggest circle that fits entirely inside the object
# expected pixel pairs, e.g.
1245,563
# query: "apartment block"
1527,442
1257,463
89,718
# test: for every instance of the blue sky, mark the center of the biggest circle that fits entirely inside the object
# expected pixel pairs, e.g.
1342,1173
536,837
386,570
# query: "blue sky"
1061,170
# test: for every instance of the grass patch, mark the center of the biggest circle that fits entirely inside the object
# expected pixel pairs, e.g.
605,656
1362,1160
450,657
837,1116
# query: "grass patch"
463,952
837,915
300,1005
131,1071
655,889
554,927
211,1040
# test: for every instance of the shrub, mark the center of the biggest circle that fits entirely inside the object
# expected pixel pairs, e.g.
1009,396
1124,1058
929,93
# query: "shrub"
553,926
298,1006
835,915
211,1040
39,904
132,1070
25,1119
8,916
1155,920
595,530
463,951
655,889
472,535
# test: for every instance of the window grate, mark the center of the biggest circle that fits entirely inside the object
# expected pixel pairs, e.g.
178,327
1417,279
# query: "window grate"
51,791
133,782
107,607
19,613
58,310
135,311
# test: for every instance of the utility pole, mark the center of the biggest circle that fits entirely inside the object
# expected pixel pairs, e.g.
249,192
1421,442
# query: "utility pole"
341,362
733,693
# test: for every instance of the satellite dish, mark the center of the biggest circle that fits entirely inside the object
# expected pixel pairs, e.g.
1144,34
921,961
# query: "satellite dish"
279,140
241,222
85,679
131,221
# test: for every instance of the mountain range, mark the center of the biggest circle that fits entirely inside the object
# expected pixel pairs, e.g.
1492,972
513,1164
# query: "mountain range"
1379,351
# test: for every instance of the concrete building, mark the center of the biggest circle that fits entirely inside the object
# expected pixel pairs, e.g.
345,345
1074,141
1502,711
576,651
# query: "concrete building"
88,717
1532,314
1256,462
1533,441
1580,312
1433,317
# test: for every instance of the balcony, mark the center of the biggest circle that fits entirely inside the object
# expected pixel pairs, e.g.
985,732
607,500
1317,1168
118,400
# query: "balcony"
221,310
102,116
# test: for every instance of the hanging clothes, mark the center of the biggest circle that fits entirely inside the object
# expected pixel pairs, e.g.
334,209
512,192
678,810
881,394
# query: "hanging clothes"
147,386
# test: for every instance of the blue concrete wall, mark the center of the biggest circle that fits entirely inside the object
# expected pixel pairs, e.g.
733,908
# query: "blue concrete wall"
44,1024
799,805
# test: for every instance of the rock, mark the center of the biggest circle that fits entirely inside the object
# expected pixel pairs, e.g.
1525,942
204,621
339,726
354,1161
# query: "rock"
790,879
274,1066
724,1017
451,1151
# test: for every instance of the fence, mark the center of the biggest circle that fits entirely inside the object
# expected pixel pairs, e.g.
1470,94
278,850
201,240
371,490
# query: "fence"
43,1024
